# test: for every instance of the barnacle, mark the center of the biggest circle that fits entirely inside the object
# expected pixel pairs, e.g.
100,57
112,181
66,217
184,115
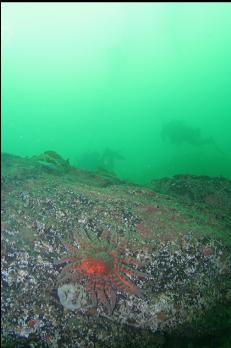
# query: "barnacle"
103,269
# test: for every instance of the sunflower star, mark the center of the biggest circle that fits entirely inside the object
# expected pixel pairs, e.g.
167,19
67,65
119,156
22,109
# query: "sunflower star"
102,270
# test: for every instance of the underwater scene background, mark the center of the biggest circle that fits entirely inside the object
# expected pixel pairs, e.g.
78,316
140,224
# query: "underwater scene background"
140,89
115,175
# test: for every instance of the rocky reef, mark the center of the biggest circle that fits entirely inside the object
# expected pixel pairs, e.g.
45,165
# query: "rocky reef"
177,234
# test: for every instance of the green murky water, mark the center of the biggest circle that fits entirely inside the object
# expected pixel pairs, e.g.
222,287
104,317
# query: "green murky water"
141,89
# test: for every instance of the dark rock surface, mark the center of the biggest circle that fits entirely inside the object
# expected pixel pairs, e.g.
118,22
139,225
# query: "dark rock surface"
180,238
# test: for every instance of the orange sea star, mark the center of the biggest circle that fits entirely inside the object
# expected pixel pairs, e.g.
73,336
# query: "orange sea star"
103,269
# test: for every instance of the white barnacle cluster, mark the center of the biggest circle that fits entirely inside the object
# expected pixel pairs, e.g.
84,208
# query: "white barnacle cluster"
73,296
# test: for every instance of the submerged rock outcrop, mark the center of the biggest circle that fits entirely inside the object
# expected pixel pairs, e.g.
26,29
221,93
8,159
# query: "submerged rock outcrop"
181,247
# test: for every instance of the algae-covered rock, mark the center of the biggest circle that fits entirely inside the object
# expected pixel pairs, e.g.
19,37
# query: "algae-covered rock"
115,266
